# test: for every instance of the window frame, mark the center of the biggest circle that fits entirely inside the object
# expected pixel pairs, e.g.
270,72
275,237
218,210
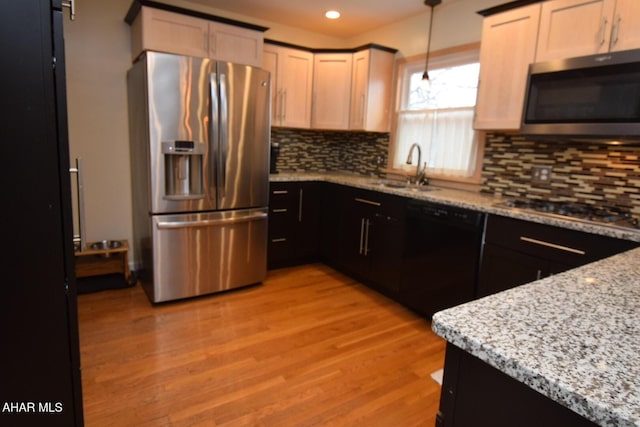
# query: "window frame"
439,59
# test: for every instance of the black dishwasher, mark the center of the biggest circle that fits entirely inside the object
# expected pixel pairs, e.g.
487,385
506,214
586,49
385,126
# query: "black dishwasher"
441,258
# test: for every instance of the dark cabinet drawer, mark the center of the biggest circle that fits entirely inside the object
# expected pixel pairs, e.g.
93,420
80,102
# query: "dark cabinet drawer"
293,222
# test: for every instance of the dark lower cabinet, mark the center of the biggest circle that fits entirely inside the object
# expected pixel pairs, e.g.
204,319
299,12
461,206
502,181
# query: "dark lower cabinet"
294,223
369,236
517,252
40,359
476,394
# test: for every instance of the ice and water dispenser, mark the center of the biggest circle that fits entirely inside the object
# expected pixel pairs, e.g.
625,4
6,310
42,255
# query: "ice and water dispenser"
183,169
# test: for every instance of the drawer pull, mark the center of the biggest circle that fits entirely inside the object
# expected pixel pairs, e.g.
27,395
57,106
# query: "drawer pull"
280,192
552,245
279,210
368,202
280,240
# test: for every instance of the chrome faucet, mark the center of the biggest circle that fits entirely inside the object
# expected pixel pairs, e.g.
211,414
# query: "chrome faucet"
419,177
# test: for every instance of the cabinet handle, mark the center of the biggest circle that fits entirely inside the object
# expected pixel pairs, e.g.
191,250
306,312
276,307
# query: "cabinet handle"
300,205
284,105
212,43
282,113
278,210
603,29
362,110
279,240
615,32
538,275
366,238
552,245
280,192
368,202
361,235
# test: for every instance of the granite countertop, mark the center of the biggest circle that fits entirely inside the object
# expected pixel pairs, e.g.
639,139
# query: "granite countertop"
574,337
464,199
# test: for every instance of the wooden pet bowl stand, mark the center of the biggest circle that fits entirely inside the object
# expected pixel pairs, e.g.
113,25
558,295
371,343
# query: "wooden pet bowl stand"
105,260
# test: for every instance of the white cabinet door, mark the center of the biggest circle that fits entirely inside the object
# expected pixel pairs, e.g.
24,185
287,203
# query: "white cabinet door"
331,90
159,30
508,47
372,78
164,31
570,28
235,44
625,33
292,80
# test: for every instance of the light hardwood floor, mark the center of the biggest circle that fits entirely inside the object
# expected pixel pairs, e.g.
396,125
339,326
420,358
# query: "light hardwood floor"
308,347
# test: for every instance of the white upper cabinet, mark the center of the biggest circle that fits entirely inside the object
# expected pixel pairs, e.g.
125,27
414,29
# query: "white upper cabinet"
235,44
331,90
372,77
163,31
291,85
570,28
626,26
166,31
508,47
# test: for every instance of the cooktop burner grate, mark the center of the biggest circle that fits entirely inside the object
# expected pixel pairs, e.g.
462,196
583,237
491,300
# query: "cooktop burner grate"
612,216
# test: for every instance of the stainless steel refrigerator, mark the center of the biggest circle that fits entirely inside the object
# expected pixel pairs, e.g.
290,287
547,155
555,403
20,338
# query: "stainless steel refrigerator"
200,173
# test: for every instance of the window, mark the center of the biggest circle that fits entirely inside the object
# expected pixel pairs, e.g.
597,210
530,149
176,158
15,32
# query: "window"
438,115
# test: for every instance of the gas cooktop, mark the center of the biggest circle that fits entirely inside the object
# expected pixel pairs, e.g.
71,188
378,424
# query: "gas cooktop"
581,211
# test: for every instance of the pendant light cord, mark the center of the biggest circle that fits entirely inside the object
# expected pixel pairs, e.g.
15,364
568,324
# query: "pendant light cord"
425,75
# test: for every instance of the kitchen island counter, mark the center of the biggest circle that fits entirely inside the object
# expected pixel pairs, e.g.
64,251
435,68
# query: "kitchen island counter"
574,337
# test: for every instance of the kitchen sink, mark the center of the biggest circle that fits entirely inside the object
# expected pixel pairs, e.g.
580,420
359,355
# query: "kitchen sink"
389,183
422,188
402,185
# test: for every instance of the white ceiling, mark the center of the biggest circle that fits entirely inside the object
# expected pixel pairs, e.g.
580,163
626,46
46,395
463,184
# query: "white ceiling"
358,16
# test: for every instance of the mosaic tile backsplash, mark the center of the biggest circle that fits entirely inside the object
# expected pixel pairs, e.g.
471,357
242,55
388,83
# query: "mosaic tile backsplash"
303,150
602,175
606,176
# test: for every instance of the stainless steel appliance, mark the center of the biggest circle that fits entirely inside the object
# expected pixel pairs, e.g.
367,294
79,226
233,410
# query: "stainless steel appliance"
589,98
200,167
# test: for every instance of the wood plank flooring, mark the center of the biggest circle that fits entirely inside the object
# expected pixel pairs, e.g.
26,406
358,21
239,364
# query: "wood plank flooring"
308,347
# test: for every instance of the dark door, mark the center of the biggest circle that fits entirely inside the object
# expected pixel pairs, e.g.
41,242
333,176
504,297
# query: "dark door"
503,269
39,362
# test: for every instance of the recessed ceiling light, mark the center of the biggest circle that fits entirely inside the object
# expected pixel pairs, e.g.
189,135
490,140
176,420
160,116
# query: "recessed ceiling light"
332,14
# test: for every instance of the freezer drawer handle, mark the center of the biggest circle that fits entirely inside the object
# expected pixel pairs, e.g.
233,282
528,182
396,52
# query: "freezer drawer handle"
552,245
210,223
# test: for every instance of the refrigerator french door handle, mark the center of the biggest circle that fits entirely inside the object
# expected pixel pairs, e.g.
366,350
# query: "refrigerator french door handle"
214,137
224,132
166,225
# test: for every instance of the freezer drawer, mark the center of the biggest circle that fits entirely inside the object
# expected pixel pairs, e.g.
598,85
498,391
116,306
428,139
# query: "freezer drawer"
197,254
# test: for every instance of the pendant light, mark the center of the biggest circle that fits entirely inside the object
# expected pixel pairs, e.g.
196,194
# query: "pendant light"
431,4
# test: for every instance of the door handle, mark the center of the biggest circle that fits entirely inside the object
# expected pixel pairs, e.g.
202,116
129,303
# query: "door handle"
361,235
71,4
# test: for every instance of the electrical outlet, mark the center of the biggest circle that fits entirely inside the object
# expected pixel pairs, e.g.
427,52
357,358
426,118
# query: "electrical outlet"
541,173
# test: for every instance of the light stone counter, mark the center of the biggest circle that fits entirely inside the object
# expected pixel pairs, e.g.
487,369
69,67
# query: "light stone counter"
574,337
463,199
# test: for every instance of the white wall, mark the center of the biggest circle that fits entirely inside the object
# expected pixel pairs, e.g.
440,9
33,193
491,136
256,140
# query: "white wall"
98,57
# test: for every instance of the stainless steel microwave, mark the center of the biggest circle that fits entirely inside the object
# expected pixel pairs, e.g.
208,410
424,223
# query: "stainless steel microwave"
593,97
